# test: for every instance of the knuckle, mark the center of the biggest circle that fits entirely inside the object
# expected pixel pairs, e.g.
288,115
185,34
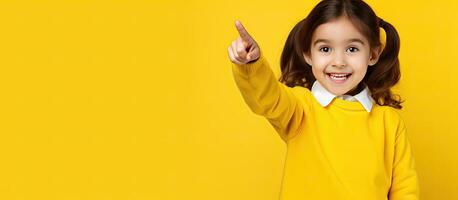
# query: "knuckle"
240,50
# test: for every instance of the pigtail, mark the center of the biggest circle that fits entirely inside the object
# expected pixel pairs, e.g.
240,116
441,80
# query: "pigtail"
386,73
294,70
292,64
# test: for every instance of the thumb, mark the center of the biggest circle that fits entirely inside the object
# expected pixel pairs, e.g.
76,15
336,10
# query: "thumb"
253,55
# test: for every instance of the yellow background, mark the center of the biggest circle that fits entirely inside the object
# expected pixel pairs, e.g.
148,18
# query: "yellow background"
136,100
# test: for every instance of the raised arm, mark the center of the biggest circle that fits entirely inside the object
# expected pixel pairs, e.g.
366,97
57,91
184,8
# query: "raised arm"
262,92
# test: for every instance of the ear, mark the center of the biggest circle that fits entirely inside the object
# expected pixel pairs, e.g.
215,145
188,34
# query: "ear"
307,58
375,55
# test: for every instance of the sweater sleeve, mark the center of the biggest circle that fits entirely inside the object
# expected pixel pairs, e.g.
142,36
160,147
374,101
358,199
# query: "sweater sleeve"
404,184
268,97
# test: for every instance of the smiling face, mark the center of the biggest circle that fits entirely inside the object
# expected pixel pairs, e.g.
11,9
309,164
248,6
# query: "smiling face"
340,55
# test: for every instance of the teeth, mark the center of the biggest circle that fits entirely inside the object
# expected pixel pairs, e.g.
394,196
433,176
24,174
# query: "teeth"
339,76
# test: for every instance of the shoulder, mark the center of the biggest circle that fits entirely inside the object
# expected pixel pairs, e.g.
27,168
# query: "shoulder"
391,116
387,111
300,90
302,93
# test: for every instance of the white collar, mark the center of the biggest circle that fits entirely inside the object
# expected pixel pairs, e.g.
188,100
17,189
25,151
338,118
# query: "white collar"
325,97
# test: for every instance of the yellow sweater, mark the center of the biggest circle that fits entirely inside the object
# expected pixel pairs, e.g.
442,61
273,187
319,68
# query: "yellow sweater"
336,152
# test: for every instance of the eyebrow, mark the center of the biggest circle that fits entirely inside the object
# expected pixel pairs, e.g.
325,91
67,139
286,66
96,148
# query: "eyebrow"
348,41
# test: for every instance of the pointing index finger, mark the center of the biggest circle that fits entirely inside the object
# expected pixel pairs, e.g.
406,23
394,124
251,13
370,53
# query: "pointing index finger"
242,31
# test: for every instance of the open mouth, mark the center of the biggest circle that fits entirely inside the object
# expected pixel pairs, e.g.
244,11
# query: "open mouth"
338,77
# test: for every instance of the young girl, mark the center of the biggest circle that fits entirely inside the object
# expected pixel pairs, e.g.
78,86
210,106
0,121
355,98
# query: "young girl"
333,105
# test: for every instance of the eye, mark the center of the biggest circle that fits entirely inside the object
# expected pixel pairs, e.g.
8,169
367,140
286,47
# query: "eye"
324,49
353,49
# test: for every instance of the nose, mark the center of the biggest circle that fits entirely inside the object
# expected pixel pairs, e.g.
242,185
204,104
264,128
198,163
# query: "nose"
338,60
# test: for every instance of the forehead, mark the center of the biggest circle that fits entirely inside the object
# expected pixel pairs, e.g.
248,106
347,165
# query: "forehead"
338,31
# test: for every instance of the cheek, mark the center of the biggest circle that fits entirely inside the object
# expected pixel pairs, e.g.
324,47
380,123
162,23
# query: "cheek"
360,71
362,59
318,74
360,64
319,63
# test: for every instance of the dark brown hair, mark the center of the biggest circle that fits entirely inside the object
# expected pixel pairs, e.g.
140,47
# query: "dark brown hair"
379,77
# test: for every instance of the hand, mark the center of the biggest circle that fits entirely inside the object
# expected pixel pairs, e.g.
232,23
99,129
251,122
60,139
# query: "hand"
244,49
